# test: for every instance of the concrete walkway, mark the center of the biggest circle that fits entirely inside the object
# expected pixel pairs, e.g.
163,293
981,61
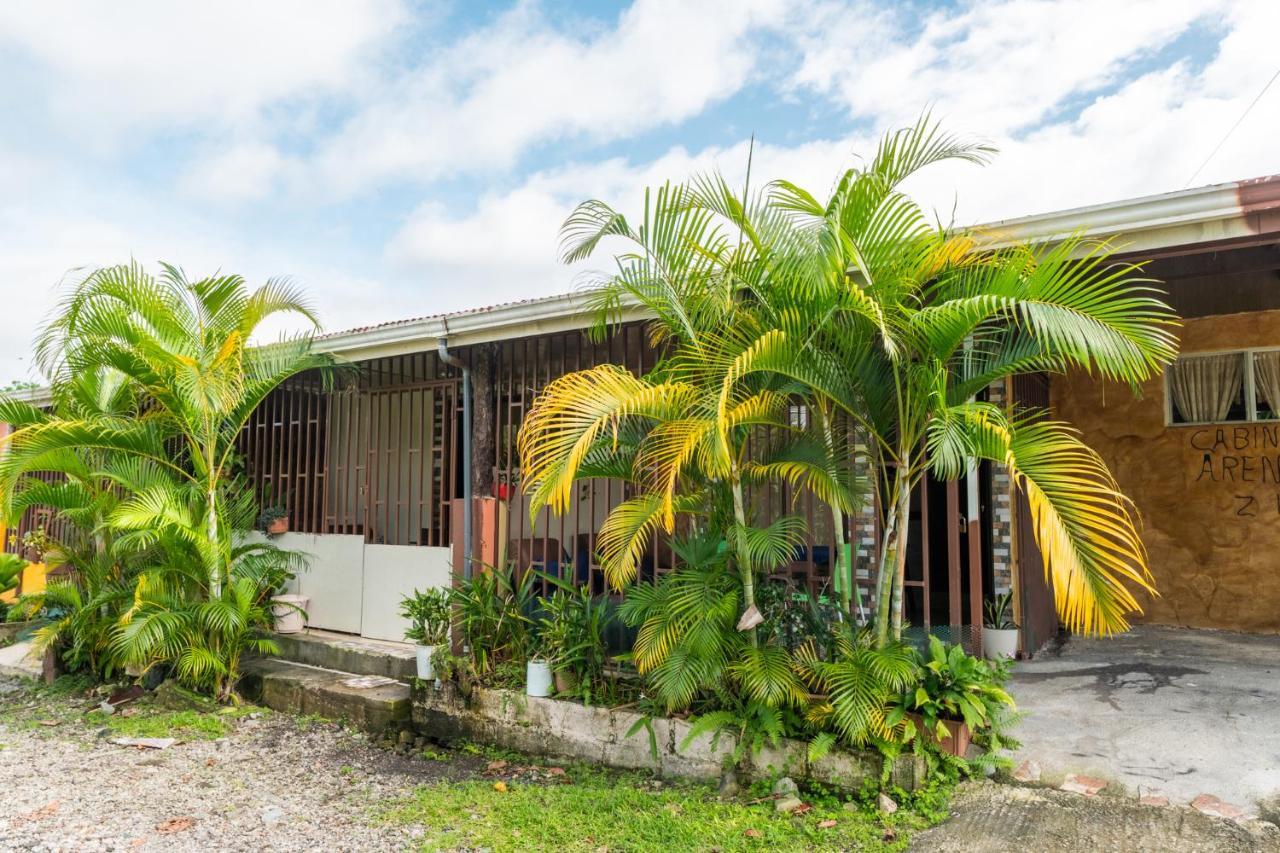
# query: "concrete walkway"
1159,711
987,818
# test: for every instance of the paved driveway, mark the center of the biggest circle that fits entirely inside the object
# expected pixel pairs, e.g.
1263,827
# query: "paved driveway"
1161,711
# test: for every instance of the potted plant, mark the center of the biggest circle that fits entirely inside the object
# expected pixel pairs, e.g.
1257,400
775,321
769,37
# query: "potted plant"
571,635
957,695
456,668
428,614
999,631
273,520
35,544
289,612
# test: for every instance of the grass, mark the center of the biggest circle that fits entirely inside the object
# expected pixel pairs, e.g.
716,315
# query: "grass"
183,725
64,702
627,811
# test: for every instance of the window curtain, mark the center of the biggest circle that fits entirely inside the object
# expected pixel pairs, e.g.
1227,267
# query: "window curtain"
1266,378
1205,386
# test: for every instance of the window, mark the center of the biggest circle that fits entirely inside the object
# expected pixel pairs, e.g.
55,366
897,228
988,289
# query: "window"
1224,387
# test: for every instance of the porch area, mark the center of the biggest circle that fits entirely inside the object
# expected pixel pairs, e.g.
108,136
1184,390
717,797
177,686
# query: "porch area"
1160,712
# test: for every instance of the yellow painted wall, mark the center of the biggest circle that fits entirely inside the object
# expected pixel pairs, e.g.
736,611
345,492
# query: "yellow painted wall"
33,580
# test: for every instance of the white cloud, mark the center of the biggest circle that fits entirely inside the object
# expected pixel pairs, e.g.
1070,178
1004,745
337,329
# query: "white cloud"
521,81
246,171
151,62
245,104
507,247
1146,137
998,66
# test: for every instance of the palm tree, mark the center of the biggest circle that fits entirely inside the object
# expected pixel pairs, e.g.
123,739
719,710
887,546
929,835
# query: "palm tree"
917,321
184,351
859,307
682,435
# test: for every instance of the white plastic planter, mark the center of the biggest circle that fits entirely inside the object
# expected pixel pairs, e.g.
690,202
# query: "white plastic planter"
290,613
1000,643
426,669
538,678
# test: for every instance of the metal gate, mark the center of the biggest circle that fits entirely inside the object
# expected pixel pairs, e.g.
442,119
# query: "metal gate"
392,462
411,471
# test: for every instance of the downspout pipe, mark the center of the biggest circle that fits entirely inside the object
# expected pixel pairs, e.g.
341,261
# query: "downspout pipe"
442,349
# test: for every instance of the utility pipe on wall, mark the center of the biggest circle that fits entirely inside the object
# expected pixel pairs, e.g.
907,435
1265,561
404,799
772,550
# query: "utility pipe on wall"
453,361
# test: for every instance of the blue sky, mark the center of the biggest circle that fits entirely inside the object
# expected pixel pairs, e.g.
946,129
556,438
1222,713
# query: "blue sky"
402,158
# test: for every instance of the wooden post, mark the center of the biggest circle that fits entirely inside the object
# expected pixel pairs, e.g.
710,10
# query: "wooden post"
484,453
954,520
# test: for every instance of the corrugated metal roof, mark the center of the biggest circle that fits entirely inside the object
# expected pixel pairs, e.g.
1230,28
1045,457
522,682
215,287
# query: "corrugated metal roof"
463,312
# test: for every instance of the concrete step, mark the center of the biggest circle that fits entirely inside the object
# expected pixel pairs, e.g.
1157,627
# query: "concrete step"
374,703
345,653
20,660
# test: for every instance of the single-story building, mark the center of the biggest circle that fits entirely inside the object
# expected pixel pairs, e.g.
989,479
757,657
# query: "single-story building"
374,474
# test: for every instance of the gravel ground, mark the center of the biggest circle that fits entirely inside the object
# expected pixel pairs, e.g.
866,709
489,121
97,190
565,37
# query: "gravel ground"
274,783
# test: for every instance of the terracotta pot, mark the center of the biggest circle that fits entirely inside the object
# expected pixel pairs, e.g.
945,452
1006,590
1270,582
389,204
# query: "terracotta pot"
278,525
565,681
958,742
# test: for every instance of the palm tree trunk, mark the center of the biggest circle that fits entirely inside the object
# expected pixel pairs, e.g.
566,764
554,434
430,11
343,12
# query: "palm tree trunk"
841,569
893,557
841,576
744,564
215,570
900,569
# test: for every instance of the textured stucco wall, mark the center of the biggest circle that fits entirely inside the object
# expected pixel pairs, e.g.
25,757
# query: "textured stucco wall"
1213,535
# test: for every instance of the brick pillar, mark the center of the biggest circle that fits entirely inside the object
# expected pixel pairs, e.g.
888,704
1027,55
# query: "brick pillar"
1001,504
863,529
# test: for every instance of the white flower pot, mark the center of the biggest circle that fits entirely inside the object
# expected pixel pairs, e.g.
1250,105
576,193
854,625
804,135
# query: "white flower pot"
426,670
1000,643
290,613
538,678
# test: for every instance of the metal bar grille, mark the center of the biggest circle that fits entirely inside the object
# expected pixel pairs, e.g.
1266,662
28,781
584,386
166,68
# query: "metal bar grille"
375,458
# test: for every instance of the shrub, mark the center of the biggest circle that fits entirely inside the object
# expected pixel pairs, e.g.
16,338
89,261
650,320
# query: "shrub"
492,612
571,634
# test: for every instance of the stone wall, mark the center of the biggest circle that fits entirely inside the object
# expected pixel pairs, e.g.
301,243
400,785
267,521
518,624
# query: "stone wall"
562,729
1208,497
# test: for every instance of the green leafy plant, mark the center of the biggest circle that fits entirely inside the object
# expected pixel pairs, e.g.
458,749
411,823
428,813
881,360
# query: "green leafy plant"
998,613
857,688
36,543
954,686
11,566
203,641
270,514
794,617
858,306
492,615
687,634
571,634
152,380
428,614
